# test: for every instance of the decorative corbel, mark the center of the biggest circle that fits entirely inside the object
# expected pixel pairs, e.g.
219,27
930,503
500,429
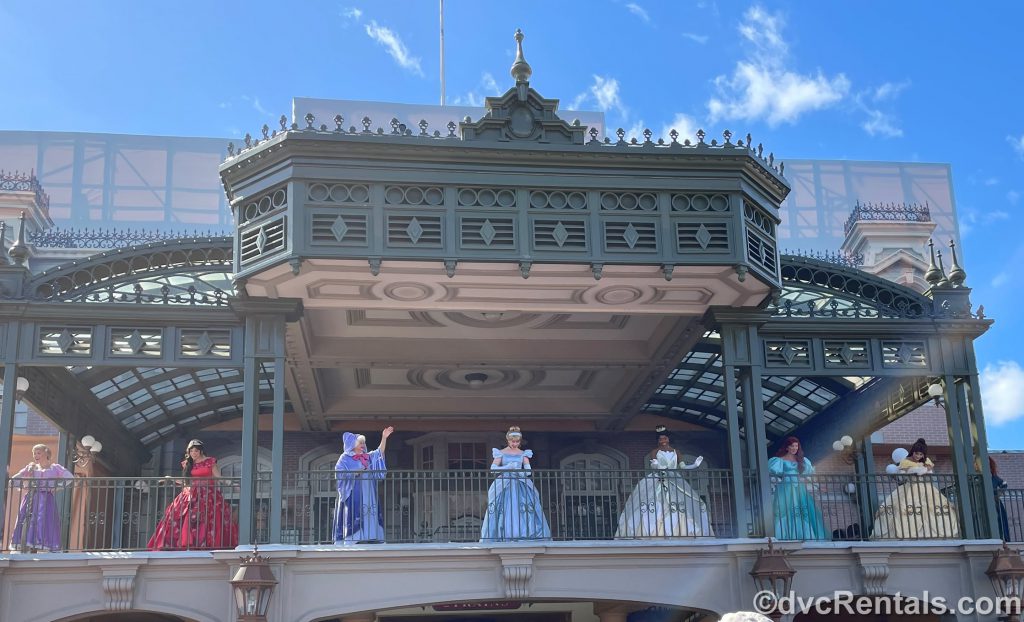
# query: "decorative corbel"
874,569
597,269
449,267
667,269
516,570
374,265
119,587
524,268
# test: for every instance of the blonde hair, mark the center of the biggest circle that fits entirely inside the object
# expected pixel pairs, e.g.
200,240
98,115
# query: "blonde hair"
513,432
49,454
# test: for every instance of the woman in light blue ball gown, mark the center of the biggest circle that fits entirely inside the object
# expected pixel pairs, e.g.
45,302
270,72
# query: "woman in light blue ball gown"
513,504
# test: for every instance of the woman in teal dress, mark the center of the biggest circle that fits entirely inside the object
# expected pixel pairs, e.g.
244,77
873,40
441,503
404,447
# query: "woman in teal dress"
797,515
513,503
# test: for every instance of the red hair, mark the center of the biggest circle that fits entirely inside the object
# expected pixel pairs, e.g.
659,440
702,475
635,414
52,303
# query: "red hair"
784,449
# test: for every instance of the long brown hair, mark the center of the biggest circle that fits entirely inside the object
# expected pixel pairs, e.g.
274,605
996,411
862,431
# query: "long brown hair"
186,471
799,454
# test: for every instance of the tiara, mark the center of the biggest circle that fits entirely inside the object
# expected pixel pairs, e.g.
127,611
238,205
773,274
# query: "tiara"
513,435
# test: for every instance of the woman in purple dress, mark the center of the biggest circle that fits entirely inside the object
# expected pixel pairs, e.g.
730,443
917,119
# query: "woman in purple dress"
37,527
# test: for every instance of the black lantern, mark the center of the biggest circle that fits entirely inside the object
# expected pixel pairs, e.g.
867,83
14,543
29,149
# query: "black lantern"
773,574
1007,575
253,585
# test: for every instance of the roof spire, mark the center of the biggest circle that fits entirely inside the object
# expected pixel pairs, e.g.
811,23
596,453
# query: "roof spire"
521,69
943,280
933,275
957,275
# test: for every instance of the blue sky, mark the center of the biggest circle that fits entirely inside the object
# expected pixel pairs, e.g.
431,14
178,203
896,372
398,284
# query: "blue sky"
901,81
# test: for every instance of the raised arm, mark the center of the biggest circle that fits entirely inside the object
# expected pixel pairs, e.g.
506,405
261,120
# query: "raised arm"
384,438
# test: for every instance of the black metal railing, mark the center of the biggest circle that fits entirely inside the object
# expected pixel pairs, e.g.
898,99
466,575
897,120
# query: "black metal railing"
409,507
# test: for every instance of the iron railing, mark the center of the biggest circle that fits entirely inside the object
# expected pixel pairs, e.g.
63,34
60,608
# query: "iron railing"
99,514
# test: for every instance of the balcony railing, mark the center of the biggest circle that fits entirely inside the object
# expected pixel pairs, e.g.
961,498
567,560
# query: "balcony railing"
97,514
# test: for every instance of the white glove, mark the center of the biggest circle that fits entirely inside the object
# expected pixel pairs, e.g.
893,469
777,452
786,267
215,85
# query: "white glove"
696,463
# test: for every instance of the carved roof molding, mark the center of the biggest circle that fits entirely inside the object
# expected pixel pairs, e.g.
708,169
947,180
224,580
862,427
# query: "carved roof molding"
522,114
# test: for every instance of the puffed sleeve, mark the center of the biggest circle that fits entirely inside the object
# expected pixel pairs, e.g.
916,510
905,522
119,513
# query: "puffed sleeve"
497,455
775,466
528,453
808,467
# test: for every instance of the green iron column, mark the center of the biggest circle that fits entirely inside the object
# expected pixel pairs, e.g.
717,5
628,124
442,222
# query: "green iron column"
277,452
7,405
867,487
975,419
250,429
738,480
756,434
960,448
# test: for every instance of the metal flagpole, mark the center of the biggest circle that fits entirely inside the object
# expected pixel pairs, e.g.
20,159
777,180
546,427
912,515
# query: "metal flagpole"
442,52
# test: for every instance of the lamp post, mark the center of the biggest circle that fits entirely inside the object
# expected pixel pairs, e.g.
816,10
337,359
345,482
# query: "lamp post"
1006,572
773,574
253,586
936,392
87,451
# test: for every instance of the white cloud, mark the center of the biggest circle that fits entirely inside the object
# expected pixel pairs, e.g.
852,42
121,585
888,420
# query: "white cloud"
352,13
991,181
881,122
971,218
257,106
682,123
1002,392
639,11
1013,197
1000,279
487,86
394,46
889,90
1017,142
605,94
701,39
763,87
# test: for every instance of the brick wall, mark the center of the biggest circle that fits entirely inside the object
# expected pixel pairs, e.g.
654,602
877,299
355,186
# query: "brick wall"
928,422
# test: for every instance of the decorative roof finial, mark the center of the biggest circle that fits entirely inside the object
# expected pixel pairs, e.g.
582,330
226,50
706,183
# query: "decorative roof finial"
943,281
19,251
957,275
933,275
521,70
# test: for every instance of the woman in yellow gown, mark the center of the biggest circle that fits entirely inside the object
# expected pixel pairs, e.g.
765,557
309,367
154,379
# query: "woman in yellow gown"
917,509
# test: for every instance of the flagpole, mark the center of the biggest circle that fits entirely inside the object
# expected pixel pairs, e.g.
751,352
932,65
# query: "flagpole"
442,52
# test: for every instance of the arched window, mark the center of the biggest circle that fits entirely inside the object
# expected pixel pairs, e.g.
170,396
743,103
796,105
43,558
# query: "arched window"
594,483
231,466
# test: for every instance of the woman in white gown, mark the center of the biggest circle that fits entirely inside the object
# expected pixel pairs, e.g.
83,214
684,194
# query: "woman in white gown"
663,504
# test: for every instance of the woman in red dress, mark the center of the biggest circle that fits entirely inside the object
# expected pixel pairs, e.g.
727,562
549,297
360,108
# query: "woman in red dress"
199,517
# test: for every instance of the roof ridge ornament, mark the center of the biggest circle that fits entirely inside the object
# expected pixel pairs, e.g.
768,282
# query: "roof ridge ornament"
521,69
